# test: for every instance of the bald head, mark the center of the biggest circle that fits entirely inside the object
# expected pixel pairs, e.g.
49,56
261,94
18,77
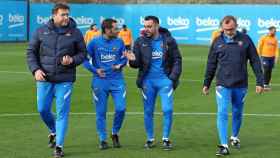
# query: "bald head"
229,25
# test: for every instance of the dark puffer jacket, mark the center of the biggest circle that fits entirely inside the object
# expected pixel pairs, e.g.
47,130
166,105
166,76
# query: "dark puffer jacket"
228,61
47,47
172,60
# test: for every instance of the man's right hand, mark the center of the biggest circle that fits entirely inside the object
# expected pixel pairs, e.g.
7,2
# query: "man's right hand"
205,90
39,75
101,72
129,55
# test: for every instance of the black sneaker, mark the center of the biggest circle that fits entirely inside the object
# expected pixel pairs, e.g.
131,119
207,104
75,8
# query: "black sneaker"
235,143
116,142
166,145
222,151
58,152
51,140
149,144
103,145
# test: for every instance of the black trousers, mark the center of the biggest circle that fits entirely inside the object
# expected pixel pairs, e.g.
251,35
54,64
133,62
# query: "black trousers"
268,64
267,71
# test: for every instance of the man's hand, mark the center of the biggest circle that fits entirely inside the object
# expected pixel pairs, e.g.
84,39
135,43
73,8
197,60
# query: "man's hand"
116,67
259,89
101,72
205,90
276,60
66,60
39,75
129,55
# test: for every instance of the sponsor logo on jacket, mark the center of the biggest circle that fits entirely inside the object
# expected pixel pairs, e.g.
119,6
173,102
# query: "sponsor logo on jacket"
107,58
157,54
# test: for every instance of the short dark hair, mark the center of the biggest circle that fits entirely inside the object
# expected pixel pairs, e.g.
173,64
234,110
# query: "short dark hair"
124,26
107,24
153,18
228,18
92,25
58,6
272,28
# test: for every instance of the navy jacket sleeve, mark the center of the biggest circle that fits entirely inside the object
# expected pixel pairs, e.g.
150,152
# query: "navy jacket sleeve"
211,66
80,55
136,52
255,62
177,61
32,54
123,59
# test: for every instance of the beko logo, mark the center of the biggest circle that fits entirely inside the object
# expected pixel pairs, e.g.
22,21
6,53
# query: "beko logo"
15,20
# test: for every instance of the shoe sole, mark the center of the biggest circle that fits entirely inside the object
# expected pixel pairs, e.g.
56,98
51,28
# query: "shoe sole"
167,149
117,146
51,145
56,156
222,154
146,147
234,146
104,148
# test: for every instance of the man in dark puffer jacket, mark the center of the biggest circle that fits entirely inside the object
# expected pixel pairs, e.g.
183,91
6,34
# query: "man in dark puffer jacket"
54,52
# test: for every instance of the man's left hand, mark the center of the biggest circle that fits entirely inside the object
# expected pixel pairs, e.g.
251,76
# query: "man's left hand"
66,60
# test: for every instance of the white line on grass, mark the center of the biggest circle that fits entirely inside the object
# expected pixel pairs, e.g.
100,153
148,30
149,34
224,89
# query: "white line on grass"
130,77
141,113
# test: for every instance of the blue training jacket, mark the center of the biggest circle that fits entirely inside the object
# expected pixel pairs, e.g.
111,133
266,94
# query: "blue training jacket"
103,54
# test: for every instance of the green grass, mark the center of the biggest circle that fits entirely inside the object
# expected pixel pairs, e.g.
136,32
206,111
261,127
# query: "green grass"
193,136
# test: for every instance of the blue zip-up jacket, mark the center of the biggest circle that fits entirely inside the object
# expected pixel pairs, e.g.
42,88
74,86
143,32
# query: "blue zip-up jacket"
172,59
104,53
47,47
228,60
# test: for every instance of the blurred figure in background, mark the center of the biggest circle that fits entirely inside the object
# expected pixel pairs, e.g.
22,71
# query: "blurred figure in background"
91,33
215,34
126,35
268,51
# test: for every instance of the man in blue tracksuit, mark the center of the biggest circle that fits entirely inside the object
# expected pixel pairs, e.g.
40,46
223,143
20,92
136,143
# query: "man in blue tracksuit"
228,56
107,60
52,56
157,56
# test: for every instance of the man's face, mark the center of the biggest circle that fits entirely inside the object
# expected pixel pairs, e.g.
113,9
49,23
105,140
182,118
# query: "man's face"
94,28
229,28
150,28
113,32
61,17
272,32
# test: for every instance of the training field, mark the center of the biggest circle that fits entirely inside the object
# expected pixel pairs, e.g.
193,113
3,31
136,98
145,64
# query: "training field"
23,134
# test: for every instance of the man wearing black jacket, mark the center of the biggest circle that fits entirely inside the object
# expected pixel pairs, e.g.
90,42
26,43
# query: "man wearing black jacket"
52,56
227,59
158,59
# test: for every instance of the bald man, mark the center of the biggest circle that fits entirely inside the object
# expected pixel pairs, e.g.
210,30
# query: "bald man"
228,56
